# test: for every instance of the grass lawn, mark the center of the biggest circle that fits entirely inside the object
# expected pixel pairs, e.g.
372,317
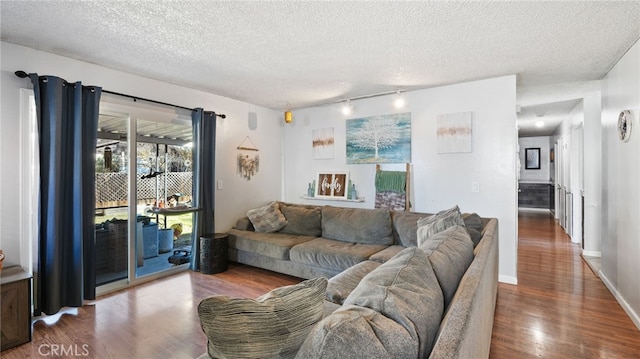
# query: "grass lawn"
186,219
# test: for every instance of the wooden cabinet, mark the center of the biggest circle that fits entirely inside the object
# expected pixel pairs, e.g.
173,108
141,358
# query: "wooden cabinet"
15,288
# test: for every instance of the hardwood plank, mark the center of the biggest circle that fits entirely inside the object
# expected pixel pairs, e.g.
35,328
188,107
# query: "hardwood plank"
559,309
154,320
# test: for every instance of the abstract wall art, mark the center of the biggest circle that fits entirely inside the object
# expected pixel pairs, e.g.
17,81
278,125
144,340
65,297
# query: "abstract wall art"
322,143
454,133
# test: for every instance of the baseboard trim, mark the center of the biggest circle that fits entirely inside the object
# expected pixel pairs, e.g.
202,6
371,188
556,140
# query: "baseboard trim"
635,318
507,279
587,253
528,209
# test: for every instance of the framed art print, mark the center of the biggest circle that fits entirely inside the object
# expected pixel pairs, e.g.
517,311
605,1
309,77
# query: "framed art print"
532,158
332,185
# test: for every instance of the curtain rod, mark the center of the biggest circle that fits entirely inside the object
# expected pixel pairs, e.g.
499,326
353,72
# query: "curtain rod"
23,74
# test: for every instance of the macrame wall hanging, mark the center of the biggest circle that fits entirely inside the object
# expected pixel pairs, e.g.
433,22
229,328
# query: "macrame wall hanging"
248,159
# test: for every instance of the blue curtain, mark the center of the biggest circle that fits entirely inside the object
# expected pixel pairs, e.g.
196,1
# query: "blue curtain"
67,128
204,157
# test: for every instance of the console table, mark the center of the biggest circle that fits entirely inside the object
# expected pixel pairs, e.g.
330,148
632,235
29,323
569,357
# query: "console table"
15,288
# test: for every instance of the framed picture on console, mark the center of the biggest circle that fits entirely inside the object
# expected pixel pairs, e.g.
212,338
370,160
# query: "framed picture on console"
532,158
332,185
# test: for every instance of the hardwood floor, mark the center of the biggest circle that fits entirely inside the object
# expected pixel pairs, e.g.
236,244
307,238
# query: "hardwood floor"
559,309
154,320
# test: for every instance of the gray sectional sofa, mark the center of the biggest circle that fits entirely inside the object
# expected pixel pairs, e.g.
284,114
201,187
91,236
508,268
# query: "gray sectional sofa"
391,292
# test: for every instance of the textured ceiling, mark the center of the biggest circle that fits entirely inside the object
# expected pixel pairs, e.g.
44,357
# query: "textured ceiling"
286,54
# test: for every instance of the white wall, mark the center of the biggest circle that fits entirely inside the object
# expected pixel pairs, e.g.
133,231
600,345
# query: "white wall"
439,181
543,175
621,176
232,201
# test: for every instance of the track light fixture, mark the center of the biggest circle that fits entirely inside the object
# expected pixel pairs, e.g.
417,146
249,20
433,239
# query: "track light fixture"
399,101
347,108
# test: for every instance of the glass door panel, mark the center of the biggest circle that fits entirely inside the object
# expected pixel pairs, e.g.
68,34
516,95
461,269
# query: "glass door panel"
111,187
164,188
143,167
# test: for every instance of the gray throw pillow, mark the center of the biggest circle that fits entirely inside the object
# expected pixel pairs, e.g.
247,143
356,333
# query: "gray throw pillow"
358,332
473,223
440,221
405,227
301,220
268,218
405,290
272,326
450,253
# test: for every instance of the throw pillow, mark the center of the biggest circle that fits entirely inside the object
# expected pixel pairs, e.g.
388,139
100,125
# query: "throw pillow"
473,223
358,332
405,290
405,227
273,326
267,219
440,221
450,253
302,220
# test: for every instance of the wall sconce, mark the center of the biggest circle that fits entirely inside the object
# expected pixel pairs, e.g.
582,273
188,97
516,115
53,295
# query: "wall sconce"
288,117
347,108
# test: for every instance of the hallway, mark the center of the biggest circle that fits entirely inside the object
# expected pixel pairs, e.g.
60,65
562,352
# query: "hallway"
559,309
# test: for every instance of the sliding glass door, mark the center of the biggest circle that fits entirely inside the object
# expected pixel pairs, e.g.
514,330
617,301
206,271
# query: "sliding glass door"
143,192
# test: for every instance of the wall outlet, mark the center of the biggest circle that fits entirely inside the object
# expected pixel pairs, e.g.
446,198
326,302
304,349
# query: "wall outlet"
475,187
219,184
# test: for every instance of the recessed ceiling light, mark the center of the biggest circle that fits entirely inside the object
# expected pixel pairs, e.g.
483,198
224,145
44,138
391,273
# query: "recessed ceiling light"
539,124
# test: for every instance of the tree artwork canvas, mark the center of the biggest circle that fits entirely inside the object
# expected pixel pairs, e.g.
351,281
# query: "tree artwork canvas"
379,139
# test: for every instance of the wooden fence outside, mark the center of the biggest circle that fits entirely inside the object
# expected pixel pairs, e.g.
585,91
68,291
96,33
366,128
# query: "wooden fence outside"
112,188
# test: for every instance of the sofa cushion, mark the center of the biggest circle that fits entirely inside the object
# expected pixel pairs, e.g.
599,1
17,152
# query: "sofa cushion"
357,225
342,284
330,307
273,245
450,253
268,218
405,226
401,289
244,224
273,326
328,253
358,332
386,254
302,220
440,221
